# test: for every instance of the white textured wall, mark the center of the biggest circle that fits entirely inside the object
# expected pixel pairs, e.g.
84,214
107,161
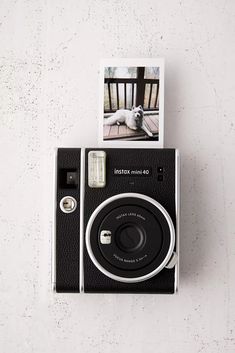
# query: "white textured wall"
49,55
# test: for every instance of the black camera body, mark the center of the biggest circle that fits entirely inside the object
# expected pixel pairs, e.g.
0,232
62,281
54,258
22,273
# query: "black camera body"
116,220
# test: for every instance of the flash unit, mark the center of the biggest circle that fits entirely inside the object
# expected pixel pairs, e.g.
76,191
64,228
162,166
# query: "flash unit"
97,169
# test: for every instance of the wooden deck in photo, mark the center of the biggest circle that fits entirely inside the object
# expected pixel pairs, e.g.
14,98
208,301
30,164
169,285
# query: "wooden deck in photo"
123,132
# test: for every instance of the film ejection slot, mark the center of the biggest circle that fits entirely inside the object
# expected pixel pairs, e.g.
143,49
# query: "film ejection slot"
68,204
97,169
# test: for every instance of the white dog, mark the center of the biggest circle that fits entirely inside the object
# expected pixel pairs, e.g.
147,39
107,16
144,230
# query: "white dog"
133,118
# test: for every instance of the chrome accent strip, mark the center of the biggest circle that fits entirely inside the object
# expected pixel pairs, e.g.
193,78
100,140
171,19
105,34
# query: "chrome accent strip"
82,191
136,279
177,210
53,238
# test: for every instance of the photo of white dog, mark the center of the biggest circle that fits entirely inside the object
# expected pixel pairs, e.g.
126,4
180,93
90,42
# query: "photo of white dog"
134,119
131,104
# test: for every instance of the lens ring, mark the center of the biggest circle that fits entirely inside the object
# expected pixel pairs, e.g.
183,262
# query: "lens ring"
125,251
149,271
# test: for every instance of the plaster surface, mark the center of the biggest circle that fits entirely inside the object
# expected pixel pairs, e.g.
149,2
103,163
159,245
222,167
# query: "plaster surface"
49,63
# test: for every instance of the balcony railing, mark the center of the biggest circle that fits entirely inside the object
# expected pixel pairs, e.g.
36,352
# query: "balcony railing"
135,91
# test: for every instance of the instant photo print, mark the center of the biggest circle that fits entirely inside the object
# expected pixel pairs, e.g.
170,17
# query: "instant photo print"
131,103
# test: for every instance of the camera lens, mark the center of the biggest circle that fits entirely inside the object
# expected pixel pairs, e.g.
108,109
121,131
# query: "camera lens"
135,236
130,238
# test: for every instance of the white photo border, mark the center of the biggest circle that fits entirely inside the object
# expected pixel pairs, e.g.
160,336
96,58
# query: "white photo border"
128,62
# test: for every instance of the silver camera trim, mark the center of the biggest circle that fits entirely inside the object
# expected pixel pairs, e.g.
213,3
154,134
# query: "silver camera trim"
134,279
177,211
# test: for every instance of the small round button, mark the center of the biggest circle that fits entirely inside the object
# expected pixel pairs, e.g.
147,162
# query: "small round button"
68,204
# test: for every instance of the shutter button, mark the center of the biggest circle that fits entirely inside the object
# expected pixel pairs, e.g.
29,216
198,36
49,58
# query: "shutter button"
68,204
